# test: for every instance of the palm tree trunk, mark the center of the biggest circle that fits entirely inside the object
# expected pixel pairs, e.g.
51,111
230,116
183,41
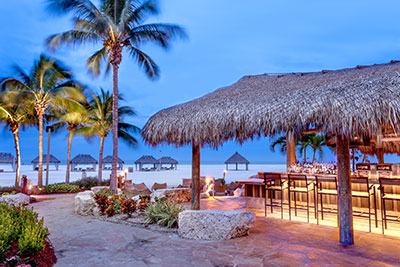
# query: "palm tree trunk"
305,154
113,182
40,167
48,155
313,157
101,160
18,153
68,157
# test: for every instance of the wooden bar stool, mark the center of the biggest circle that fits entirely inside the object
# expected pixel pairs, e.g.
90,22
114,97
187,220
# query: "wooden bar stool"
367,193
323,191
273,183
299,184
384,184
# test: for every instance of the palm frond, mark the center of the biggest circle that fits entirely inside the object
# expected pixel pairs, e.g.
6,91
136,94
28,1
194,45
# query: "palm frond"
159,33
145,62
72,37
96,61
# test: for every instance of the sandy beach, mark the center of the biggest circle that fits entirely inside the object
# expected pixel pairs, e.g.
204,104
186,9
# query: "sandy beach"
171,177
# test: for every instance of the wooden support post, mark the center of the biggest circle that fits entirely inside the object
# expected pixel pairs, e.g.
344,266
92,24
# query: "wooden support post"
380,155
195,177
290,150
345,206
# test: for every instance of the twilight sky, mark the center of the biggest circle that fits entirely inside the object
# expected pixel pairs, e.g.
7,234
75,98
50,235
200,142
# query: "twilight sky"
227,40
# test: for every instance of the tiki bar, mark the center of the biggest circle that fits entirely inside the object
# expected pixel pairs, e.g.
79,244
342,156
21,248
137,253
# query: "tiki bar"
357,108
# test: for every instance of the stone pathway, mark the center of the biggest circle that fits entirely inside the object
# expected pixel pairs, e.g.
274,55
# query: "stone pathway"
81,241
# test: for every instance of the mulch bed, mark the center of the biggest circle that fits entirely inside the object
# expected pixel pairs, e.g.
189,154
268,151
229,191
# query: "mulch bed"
46,257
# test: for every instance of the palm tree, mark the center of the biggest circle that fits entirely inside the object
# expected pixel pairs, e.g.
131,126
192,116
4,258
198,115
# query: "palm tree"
16,113
101,123
280,141
117,26
317,142
48,84
304,142
72,118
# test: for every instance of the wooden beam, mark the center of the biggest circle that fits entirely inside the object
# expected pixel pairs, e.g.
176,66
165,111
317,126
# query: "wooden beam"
345,206
195,177
290,150
380,155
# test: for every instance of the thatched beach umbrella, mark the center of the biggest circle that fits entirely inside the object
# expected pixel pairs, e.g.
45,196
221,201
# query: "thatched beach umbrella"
237,159
108,160
83,159
8,158
344,103
146,159
168,161
51,159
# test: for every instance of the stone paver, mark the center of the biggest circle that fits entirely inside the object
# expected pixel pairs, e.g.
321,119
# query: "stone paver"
82,241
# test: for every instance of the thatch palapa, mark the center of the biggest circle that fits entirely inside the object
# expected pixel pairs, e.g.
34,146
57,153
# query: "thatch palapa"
52,160
237,159
349,102
360,101
83,159
144,160
8,158
108,160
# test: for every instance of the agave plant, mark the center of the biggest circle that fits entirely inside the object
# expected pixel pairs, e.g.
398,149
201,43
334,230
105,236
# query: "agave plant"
116,26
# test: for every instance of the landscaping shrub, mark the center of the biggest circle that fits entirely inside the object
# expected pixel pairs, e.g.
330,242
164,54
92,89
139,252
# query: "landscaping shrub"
20,224
102,202
105,192
12,190
163,213
86,183
144,202
60,188
128,206
32,238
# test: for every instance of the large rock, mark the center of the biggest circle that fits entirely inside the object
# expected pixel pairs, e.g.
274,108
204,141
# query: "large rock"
177,195
85,204
16,199
136,189
214,224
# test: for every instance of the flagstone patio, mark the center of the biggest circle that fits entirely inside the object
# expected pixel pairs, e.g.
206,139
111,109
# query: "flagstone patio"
82,241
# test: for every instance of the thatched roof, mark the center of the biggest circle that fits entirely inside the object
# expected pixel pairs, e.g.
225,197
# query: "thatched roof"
52,159
83,159
108,159
387,148
168,160
237,158
354,101
7,158
146,160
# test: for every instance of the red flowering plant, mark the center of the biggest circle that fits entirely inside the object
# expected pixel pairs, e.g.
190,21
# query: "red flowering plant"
144,202
102,202
128,206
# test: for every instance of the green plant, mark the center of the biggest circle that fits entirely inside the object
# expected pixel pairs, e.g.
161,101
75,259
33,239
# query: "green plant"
86,183
163,213
128,206
21,224
9,190
60,188
32,238
105,192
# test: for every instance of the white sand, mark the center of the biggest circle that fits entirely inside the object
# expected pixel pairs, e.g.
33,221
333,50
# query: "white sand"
172,177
